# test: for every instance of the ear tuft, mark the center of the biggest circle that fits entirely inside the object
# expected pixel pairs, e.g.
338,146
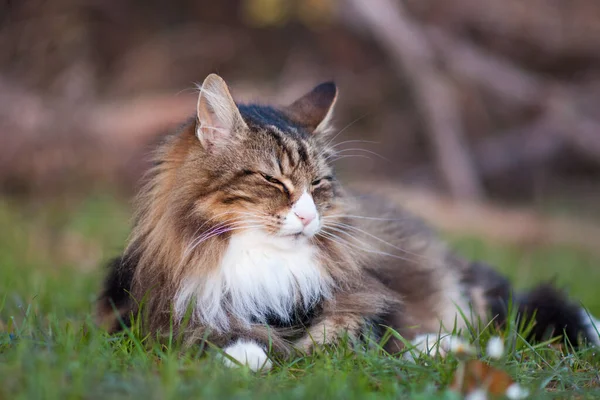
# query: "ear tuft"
315,109
218,117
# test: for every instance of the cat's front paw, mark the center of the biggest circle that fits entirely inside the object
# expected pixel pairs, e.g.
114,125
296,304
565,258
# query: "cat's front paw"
329,332
247,353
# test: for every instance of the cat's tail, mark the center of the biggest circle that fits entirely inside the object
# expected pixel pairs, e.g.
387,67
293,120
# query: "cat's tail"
550,311
555,314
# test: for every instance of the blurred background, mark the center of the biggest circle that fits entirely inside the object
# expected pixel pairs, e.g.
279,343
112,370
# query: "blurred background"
483,116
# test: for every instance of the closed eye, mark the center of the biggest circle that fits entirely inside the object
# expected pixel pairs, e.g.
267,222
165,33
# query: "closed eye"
270,179
274,181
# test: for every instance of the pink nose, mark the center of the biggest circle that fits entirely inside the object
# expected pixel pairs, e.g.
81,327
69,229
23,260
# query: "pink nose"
305,218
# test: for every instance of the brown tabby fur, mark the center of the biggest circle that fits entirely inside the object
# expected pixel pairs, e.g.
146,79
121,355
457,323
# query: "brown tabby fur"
389,268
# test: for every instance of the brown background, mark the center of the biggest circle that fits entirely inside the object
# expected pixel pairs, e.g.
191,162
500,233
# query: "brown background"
484,101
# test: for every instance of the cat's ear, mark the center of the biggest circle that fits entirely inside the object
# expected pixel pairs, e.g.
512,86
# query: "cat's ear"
315,109
218,117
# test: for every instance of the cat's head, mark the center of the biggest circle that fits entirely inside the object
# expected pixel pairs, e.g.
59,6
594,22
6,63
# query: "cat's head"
259,167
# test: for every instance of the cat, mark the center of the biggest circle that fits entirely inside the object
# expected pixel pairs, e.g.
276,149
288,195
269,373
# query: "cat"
243,236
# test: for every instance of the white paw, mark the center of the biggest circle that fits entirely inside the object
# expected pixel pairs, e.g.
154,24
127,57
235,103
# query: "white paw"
433,344
592,326
247,353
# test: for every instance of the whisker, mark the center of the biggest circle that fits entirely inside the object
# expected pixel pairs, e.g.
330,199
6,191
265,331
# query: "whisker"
349,155
342,225
380,252
340,240
217,227
215,232
226,229
189,89
227,223
359,217
225,213
210,219
353,141
345,242
328,143
365,150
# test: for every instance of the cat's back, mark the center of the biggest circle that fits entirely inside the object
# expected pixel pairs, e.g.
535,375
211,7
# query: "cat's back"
386,222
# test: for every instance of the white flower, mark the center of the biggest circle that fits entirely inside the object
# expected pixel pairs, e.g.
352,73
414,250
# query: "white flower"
477,394
458,346
515,392
495,347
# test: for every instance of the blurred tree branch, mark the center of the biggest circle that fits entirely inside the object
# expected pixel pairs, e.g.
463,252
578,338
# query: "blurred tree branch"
408,46
561,120
424,51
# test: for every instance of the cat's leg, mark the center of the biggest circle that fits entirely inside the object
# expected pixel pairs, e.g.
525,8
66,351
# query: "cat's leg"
330,329
350,313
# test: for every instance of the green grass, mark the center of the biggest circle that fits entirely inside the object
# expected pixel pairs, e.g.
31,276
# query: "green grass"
50,273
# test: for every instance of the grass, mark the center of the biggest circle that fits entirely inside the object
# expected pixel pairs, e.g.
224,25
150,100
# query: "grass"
50,273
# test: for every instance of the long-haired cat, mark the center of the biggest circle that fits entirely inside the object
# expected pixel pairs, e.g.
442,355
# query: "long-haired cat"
243,223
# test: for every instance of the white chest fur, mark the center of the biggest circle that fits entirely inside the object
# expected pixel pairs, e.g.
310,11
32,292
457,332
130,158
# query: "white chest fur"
260,275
